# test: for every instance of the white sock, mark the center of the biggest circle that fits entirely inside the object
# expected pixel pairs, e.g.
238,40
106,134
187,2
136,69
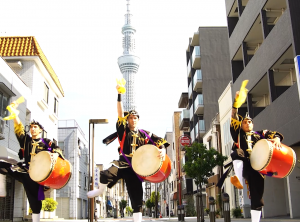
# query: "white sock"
137,217
238,169
2,185
255,215
97,192
35,217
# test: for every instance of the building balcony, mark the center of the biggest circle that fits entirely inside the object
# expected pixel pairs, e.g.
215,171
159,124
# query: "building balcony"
197,81
184,100
184,120
190,91
196,58
200,129
191,113
192,135
198,104
189,70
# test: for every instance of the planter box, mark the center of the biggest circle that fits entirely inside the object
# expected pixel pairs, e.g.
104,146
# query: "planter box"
48,214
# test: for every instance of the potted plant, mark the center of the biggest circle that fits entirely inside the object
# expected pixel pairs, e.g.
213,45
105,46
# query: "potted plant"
49,205
218,215
236,212
206,210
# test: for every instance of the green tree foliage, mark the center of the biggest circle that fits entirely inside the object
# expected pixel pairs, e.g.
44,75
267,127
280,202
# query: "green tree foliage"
200,164
149,204
122,204
49,204
190,207
153,198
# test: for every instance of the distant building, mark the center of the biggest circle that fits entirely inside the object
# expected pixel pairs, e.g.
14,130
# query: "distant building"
72,199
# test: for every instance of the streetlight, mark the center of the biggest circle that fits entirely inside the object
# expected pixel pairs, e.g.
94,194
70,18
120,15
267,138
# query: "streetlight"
93,122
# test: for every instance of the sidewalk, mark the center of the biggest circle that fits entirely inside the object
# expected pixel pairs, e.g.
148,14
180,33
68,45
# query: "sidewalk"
175,219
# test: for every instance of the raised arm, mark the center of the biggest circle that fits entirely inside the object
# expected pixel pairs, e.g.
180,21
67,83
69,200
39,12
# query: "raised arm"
234,111
119,103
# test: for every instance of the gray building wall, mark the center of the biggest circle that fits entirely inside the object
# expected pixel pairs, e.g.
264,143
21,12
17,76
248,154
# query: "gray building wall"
76,189
215,66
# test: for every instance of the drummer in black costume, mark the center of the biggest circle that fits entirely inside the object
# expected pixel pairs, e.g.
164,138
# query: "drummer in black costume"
130,138
30,145
244,140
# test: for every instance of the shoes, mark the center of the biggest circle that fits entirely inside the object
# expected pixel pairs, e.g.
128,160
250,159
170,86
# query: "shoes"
237,180
97,192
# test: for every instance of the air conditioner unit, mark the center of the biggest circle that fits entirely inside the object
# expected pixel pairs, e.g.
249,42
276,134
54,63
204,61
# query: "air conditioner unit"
2,122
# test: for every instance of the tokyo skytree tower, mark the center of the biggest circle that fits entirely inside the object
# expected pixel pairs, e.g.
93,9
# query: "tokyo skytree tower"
129,62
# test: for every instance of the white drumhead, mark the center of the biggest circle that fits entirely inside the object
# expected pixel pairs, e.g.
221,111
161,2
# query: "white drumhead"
40,166
145,161
260,154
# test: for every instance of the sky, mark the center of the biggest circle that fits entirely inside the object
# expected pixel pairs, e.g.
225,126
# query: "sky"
82,40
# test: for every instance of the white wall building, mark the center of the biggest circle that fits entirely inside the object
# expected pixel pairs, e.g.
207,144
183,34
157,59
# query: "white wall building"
41,89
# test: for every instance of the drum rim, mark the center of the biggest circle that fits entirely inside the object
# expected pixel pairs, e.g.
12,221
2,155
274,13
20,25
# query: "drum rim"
293,165
48,175
161,163
51,170
270,155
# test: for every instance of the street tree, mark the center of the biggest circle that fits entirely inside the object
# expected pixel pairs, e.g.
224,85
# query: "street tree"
199,165
122,205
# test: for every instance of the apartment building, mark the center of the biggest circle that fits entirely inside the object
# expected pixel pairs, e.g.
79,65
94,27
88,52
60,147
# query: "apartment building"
263,42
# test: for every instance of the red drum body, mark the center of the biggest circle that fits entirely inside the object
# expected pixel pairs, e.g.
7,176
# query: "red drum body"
269,160
48,169
145,163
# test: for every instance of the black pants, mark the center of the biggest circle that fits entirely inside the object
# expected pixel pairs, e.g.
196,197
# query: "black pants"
254,178
31,187
133,183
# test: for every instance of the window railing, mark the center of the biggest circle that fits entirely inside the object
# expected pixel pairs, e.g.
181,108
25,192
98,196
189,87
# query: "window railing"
196,51
191,112
198,100
202,125
189,68
190,90
184,114
198,76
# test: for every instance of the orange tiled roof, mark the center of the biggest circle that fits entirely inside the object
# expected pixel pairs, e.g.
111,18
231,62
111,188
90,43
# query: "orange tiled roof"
27,46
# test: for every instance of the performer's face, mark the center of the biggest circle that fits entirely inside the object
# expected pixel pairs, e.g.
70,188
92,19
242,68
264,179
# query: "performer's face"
35,131
247,125
132,121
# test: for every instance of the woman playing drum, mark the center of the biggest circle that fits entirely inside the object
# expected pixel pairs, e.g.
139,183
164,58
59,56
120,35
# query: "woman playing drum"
30,146
130,138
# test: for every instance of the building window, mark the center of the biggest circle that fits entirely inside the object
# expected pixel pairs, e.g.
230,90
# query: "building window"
85,182
56,106
79,179
46,93
3,104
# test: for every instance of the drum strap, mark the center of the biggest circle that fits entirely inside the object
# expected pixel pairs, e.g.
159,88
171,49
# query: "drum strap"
125,157
148,136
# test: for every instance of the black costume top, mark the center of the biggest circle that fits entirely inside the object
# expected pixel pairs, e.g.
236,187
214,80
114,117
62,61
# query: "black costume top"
27,144
240,138
141,139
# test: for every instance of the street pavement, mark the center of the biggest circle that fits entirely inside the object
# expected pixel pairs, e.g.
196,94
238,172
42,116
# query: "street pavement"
175,219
